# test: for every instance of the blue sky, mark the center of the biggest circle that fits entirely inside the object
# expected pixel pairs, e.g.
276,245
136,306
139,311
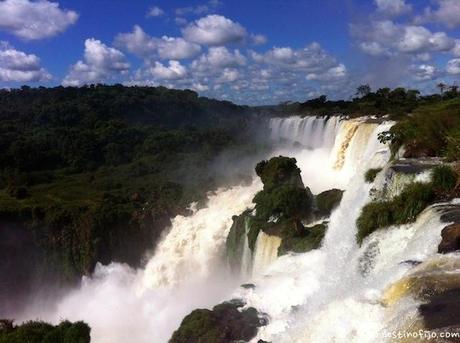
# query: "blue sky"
251,52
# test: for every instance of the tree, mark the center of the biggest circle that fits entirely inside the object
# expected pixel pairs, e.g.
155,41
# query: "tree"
363,90
442,87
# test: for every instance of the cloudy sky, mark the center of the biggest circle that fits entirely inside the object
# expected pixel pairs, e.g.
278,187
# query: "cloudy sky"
246,51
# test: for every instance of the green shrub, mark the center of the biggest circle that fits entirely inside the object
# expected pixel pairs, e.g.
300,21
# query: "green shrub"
310,238
402,209
224,323
444,178
279,171
373,216
371,174
41,332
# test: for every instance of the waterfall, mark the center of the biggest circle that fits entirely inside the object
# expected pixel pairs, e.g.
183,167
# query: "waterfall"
246,259
332,294
195,242
266,251
306,284
311,132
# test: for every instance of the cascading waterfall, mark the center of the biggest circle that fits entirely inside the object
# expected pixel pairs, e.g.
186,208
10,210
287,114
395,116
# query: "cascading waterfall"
266,251
305,284
332,294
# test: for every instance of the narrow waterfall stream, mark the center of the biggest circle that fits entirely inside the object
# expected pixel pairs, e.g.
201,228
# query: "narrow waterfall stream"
319,296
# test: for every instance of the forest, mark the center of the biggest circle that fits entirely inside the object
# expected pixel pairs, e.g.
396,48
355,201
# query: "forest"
94,174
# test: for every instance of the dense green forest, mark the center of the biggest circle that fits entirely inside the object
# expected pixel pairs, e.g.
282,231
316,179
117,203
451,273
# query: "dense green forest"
94,174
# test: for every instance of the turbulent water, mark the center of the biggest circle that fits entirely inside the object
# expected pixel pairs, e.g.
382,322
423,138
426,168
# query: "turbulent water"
333,294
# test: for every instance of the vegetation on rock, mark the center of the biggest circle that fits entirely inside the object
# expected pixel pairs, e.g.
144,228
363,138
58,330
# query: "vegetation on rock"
41,332
308,238
225,323
405,207
371,174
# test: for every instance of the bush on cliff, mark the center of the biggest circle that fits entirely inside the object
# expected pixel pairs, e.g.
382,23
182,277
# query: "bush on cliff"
402,209
225,323
371,174
444,178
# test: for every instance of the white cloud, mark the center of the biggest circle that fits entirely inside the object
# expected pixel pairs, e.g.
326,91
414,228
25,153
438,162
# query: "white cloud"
219,57
17,66
311,59
214,30
393,7
453,66
168,48
447,13
155,11
335,73
228,75
173,71
387,38
424,72
100,63
34,20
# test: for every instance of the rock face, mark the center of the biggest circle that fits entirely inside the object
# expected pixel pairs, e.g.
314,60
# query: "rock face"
225,323
450,239
442,313
327,201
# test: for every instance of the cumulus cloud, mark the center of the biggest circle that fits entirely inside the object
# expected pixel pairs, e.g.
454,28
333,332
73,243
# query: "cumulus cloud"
332,74
145,46
155,11
424,72
173,71
447,13
34,20
311,59
100,63
17,66
393,7
384,37
214,30
453,66
219,57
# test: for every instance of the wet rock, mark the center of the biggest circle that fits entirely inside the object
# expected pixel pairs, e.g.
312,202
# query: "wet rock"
327,201
450,239
442,311
414,166
411,262
248,286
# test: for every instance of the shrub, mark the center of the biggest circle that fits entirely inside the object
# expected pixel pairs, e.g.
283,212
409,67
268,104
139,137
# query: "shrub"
413,199
41,332
371,174
309,239
224,323
444,178
279,171
373,216
400,210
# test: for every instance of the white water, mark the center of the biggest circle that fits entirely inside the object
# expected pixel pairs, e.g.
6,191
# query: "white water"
320,296
266,252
